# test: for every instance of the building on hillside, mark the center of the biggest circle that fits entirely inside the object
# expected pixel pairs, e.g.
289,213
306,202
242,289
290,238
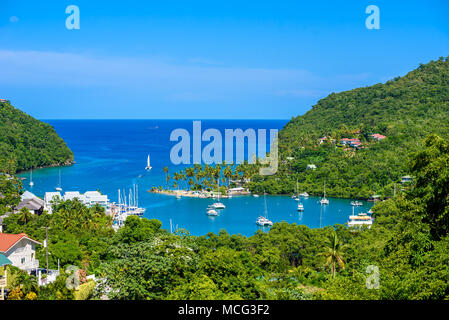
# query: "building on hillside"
49,198
4,262
311,167
355,144
30,201
406,179
20,249
323,140
377,136
34,206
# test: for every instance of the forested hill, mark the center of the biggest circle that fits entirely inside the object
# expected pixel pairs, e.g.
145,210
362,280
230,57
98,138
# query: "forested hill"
405,110
28,143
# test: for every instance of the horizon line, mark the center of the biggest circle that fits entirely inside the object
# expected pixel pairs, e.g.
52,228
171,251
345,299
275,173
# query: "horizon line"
192,119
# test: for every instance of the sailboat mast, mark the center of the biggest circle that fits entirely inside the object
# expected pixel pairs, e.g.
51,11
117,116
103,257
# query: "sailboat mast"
265,204
324,190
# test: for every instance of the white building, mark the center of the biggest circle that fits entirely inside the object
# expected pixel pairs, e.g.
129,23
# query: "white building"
20,250
49,197
89,198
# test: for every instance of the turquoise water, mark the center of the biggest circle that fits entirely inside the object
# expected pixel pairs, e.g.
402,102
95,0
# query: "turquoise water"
111,155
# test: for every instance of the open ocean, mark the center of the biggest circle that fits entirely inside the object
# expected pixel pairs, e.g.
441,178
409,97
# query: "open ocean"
111,155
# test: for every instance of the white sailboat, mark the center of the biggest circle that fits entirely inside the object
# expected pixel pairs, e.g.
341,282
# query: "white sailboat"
296,196
148,167
218,204
324,200
211,211
263,220
31,178
58,188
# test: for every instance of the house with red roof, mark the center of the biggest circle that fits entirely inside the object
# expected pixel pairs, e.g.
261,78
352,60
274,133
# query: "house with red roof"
323,139
20,250
377,136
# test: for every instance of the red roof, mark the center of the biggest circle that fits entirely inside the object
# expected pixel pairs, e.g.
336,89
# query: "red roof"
8,240
378,136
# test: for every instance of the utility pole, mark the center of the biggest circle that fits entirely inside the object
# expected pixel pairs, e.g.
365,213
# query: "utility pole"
46,244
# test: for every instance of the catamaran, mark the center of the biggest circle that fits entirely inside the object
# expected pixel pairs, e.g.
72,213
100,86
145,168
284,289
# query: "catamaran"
148,167
263,220
31,178
218,204
300,207
362,219
356,203
324,200
296,196
304,195
211,212
58,188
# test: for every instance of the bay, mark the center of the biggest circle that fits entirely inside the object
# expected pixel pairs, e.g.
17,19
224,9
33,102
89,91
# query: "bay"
111,155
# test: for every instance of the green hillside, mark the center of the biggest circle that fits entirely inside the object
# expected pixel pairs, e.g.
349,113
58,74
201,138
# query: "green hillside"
405,110
28,143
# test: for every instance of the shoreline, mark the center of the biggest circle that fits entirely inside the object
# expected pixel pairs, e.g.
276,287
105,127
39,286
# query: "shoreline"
65,164
196,194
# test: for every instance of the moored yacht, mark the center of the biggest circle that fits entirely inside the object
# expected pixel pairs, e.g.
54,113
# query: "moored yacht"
218,204
211,212
300,207
31,178
362,219
263,220
356,203
304,195
324,200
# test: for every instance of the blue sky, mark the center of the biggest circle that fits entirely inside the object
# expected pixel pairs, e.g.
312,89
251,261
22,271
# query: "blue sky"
206,59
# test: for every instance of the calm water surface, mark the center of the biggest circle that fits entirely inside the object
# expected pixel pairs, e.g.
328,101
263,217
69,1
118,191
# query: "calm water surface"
111,155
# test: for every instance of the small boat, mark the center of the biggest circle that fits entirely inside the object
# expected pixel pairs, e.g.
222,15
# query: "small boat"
148,167
370,211
255,195
58,188
212,212
178,196
218,204
304,195
300,207
263,220
296,196
356,203
31,178
362,219
324,201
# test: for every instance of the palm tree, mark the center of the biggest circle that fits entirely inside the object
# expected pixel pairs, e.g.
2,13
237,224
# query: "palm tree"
333,254
227,172
166,175
25,215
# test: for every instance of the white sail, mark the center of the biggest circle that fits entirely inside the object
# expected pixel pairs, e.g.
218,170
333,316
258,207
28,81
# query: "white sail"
148,167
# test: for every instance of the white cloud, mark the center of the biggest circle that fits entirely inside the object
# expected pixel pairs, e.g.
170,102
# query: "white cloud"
159,80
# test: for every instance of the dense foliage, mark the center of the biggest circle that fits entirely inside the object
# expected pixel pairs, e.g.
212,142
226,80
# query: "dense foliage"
405,110
28,143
